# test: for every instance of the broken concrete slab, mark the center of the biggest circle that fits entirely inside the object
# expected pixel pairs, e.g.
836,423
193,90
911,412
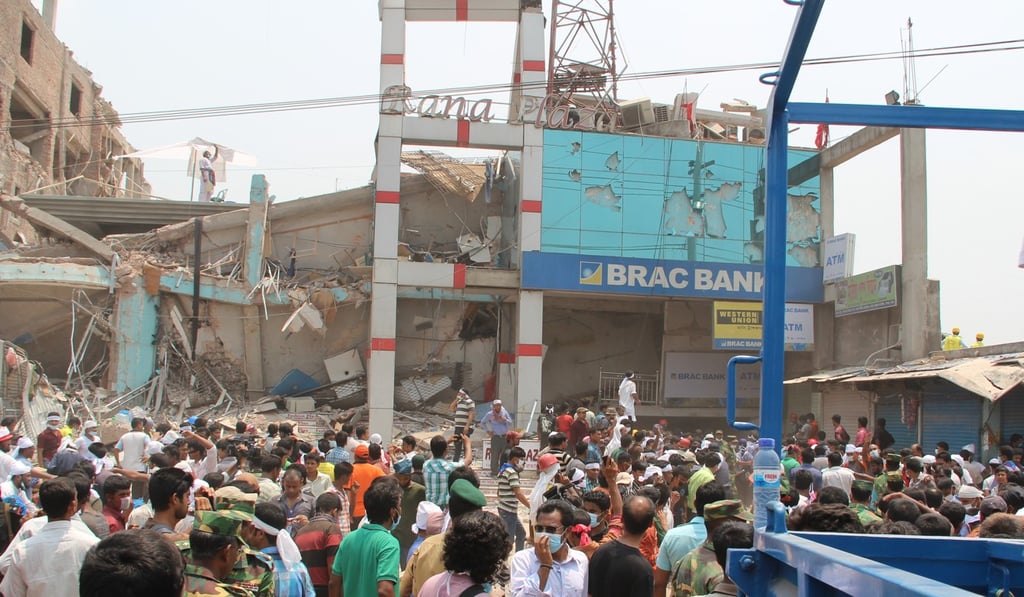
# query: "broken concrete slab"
58,226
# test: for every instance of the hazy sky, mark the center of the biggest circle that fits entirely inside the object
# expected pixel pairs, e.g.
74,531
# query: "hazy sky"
152,56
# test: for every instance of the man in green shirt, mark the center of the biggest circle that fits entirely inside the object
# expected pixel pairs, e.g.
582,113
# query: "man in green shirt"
412,494
368,560
703,476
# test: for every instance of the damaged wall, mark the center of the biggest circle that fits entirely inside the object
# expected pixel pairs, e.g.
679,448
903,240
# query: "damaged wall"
585,335
432,338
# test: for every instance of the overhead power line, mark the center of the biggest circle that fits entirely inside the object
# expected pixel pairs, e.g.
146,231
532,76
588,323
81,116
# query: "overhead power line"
369,99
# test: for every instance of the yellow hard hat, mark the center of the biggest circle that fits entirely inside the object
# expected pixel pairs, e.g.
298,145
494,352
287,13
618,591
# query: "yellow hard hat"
980,336
956,330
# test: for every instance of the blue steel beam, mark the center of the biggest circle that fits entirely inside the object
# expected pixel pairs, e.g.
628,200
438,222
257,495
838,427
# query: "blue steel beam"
796,49
907,116
773,345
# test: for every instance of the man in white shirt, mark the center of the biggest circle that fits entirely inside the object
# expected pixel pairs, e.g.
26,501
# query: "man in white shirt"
90,435
48,563
550,568
132,447
628,395
836,475
208,178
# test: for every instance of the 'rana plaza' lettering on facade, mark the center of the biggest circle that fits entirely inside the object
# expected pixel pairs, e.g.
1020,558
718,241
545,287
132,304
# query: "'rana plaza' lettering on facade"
545,112
677,277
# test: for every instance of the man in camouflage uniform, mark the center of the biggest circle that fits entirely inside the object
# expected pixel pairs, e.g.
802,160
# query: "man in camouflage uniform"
892,465
207,577
860,496
698,572
253,573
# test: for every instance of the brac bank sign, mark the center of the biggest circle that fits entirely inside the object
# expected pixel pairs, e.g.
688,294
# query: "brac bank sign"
618,275
542,113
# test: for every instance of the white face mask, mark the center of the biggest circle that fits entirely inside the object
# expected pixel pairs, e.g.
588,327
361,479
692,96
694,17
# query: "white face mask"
126,504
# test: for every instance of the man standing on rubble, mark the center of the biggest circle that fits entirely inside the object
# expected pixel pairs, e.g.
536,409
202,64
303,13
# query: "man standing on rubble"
464,409
497,422
49,439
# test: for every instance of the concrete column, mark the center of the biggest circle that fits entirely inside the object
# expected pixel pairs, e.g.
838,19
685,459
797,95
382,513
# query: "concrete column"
384,289
529,354
256,228
530,64
824,314
918,322
132,352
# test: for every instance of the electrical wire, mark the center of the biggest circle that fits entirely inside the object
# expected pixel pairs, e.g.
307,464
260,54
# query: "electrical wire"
369,99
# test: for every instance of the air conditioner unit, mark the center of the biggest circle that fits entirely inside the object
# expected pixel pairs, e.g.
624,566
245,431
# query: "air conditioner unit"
636,113
663,113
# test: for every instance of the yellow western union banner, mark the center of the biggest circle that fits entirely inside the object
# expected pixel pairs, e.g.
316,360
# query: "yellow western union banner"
737,326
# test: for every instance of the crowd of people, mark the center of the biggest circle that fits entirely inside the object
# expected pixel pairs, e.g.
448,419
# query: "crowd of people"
614,510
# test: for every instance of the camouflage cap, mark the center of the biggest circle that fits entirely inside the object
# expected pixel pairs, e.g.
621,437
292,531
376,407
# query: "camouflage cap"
725,509
221,522
863,485
893,457
234,499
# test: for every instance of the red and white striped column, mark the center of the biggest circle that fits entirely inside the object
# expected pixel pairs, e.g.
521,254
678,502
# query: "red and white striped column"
530,312
384,289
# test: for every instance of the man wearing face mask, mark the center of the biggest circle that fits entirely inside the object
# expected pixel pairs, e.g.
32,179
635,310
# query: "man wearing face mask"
49,439
550,567
117,501
90,435
510,495
367,562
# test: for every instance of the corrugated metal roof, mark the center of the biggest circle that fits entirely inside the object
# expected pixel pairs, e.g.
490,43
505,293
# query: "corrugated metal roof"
989,376
828,376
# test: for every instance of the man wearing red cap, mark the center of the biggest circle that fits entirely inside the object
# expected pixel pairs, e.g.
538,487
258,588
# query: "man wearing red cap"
363,473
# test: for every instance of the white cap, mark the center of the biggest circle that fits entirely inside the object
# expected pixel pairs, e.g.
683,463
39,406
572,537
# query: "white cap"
651,471
968,492
20,468
969,448
928,459
498,401
90,424
851,449
592,466
24,443
376,439
423,511
53,419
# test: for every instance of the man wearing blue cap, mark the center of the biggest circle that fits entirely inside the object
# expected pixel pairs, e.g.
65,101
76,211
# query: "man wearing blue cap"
412,495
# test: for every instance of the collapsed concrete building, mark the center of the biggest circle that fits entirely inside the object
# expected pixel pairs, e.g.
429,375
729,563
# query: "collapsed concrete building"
581,249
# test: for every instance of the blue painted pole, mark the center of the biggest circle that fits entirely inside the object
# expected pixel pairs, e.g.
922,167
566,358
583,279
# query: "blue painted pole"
773,347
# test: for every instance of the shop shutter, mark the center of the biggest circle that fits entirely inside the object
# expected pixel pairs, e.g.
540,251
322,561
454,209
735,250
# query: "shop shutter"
849,404
1011,415
953,417
890,409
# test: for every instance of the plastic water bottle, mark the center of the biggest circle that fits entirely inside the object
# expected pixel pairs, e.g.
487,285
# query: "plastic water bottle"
767,480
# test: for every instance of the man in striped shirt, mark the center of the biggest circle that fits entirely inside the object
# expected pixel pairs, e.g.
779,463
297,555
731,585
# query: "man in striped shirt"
464,409
437,469
510,496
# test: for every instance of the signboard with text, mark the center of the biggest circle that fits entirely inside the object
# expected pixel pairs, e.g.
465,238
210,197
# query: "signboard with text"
702,375
867,292
530,446
838,254
662,277
737,326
